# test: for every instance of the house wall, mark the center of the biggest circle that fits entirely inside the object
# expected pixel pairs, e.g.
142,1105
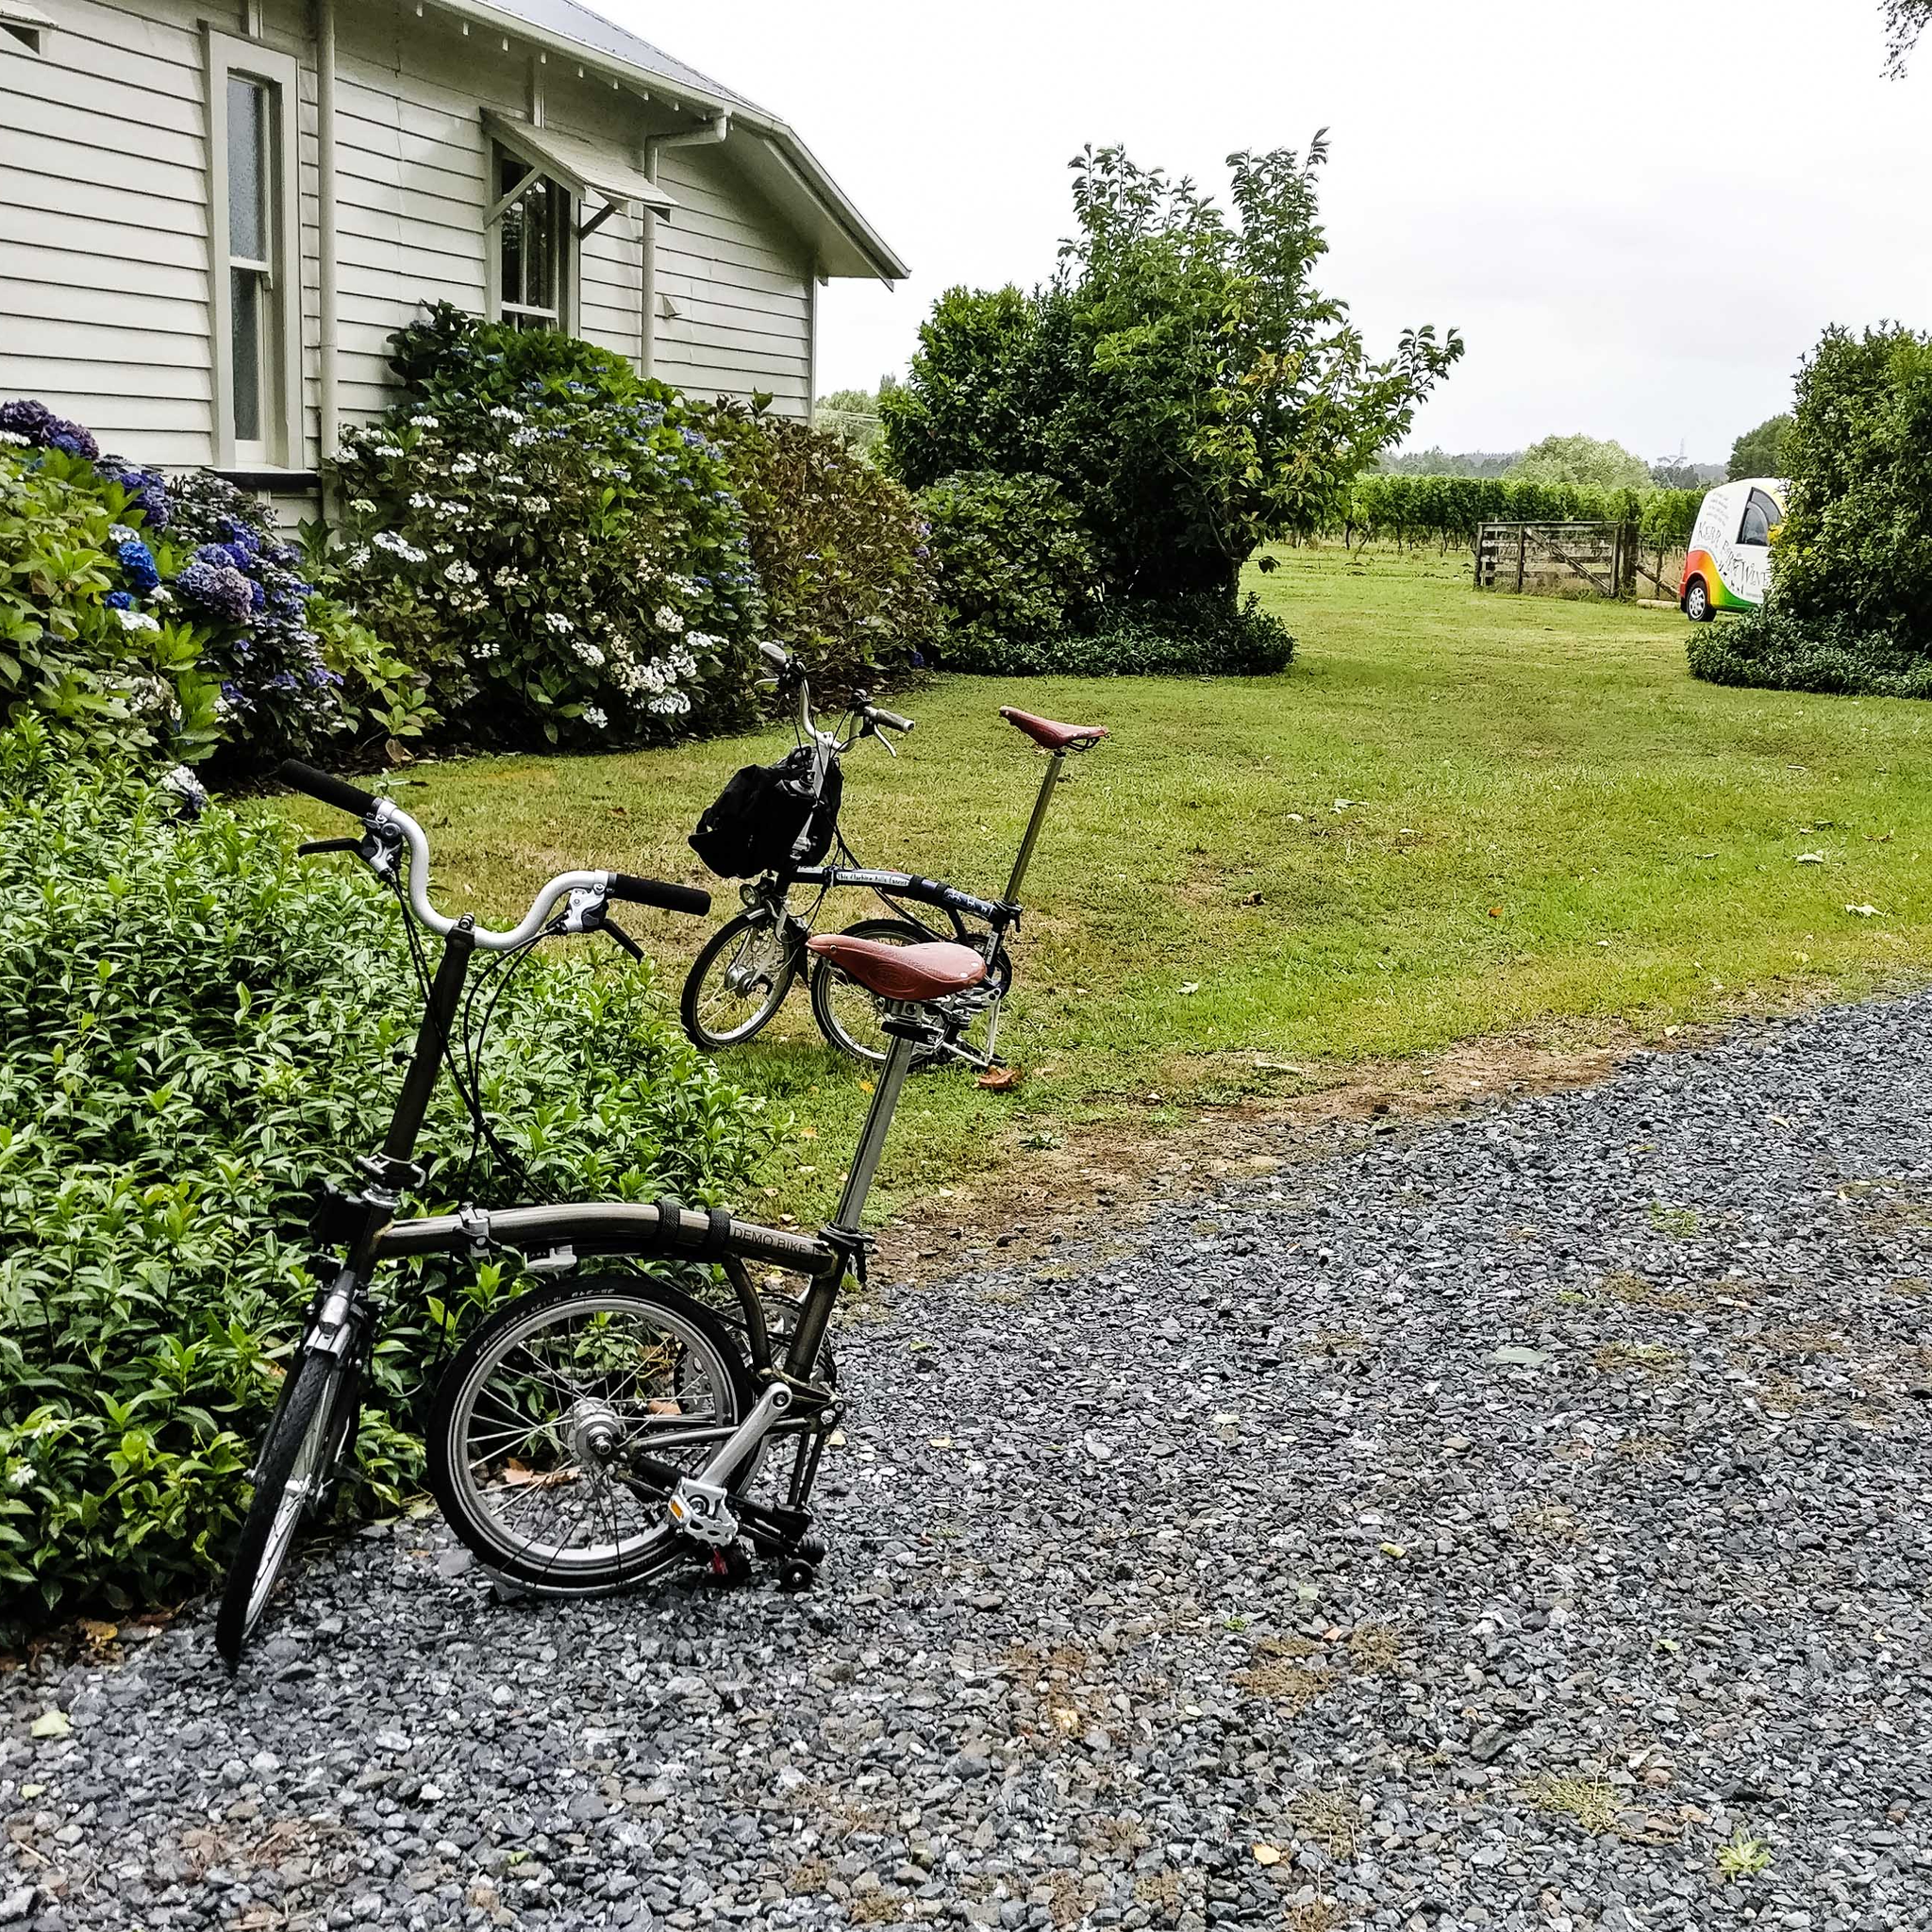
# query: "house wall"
105,300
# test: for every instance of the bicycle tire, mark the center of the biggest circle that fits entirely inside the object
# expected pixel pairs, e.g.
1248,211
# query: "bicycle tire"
653,1548
289,1453
828,984
714,1039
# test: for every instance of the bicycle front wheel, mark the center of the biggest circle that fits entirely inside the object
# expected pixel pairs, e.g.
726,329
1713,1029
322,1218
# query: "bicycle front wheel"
292,1475
737,981
566,1421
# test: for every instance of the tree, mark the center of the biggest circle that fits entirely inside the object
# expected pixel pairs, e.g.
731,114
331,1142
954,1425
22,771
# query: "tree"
1905,21
1182,376
1760,452
1581,460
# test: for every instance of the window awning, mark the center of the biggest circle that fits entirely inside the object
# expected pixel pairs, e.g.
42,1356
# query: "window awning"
591,170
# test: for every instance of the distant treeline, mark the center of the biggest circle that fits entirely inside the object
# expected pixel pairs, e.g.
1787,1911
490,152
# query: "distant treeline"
1411,509
1489,463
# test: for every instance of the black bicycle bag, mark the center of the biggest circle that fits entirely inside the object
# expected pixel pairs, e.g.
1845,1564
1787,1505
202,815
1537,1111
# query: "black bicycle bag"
769,817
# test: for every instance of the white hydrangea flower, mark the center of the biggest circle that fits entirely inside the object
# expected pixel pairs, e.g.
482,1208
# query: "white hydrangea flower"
399,546
426,422
461,572
558,621
11,441
384,449
421,499
362,505
523,438
136,620
588,653
667,619
504,413
672,703
465,465
123,533
594,715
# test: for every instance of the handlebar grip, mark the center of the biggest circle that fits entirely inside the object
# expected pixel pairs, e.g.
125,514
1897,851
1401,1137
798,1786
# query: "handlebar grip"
667,898
776,655
892,718
336,792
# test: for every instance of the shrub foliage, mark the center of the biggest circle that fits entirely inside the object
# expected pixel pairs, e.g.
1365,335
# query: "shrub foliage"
552,538
1182,378
840,547
177,1073
1850,605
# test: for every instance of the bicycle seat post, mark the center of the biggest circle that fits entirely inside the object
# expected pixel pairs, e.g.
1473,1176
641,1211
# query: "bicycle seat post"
910,1028
1033,826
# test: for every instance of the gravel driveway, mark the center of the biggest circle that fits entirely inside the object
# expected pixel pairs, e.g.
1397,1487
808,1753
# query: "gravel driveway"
1516,1523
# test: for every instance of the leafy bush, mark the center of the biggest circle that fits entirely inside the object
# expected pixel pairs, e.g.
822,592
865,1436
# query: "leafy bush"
1770,648
838,546
1850,604
552,540
155,614
1015,566
1760,452
177,1071
76,649
1206,635
1183,378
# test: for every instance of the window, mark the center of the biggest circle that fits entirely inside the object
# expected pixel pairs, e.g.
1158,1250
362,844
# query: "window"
532,245
1760,518
24,27
255,274
250,270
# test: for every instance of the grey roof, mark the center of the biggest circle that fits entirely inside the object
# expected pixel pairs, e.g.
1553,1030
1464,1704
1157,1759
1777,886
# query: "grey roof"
766,148
587,30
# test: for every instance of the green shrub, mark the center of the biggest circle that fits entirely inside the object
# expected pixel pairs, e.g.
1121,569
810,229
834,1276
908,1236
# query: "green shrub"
1850,604
1014,564
1770,648
166,615
1206,635
197,1026
1183,377
551,538
840,547
109,676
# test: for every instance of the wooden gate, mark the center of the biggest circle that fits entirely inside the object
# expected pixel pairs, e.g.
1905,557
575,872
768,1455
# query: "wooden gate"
1558,556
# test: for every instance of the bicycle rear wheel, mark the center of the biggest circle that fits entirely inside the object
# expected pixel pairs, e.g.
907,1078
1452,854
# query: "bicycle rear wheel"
566,1421
737,981
291,1474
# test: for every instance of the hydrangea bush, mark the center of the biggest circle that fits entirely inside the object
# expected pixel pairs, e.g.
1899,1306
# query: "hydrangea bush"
555,540
169,614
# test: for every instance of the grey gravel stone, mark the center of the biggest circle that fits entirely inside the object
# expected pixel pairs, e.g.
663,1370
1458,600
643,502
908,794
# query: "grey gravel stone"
1271,1536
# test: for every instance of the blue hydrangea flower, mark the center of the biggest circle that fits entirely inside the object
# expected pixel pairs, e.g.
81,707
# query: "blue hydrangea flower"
217,589
138,566
118,600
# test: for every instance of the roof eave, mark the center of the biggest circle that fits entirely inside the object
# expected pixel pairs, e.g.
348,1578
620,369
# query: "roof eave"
885,263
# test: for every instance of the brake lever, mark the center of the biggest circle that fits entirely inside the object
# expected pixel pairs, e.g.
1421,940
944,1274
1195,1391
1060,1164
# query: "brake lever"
608,924
310,848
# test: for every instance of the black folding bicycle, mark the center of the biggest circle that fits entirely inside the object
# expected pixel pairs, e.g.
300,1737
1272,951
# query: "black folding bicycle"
603,1428
742,973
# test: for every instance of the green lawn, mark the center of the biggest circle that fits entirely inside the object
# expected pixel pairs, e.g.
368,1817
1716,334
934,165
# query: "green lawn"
1455,816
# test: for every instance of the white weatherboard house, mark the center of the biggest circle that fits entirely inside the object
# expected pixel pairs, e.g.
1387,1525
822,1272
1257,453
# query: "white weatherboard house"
211,220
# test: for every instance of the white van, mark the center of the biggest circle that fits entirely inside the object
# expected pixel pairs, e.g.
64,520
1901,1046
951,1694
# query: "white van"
1728,567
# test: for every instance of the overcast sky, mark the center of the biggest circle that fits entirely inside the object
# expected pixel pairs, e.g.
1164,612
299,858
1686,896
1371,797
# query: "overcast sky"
1638,216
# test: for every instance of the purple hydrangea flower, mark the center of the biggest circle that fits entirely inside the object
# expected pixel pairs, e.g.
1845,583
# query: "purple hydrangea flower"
45,430
218,588
147,490
138,566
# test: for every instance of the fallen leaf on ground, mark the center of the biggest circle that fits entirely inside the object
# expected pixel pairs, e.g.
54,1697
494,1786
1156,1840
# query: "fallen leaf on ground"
1863,911
999,1079
1266,1855
1810,858
51,1724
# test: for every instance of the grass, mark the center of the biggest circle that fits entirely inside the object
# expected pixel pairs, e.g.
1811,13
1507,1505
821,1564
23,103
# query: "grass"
1455,816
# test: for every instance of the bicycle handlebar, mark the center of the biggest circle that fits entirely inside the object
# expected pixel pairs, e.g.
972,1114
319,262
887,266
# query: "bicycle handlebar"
384,816
892,718
658,892
336,792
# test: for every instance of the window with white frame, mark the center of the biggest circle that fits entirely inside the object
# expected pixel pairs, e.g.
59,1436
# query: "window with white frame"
533,237
256,269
